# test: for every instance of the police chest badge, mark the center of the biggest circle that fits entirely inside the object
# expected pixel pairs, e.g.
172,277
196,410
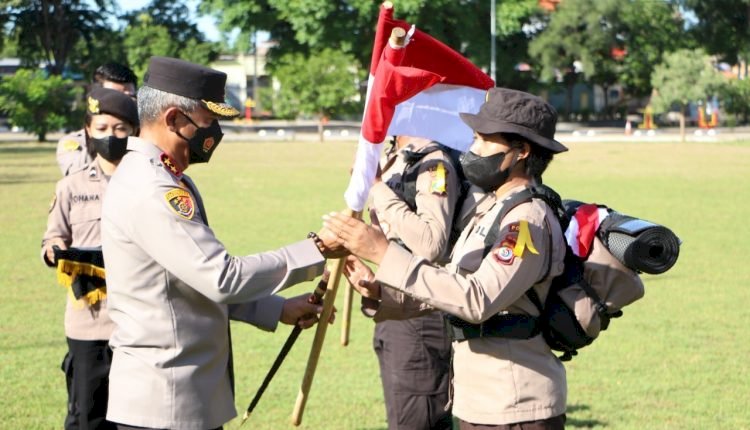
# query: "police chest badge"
181,202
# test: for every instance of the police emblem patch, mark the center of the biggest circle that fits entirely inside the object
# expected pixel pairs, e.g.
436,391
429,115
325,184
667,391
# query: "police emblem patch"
503,254
181,202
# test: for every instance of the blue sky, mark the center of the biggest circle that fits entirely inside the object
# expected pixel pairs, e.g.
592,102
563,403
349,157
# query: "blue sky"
205,24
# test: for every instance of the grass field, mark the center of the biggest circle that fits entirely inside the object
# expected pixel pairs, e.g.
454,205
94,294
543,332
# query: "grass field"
678,359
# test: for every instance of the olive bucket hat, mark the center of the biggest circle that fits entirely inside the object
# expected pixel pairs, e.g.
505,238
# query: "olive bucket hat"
517,112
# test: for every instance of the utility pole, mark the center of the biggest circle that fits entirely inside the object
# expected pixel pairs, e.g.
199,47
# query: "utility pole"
493,68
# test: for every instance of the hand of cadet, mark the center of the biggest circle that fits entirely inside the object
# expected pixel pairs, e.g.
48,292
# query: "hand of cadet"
360,276
360,239
331,246
299,311
49,251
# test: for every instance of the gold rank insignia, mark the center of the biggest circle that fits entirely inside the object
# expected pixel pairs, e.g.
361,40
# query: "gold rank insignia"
180,202
166,160
70,145
438,179
93,105
222,109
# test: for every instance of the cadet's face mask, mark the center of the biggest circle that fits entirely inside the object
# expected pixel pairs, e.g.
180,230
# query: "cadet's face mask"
484,172
111,148
204,141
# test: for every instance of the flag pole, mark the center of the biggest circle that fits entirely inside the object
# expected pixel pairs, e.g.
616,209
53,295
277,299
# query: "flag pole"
346,324
320,333
397,39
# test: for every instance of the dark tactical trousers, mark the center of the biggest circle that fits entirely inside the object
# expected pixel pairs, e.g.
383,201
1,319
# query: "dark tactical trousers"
415,359
86,367
554,423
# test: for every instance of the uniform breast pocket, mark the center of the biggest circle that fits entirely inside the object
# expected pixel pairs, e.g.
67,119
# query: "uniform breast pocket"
85,220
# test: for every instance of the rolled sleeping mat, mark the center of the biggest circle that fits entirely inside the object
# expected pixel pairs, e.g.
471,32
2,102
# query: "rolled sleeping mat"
638,244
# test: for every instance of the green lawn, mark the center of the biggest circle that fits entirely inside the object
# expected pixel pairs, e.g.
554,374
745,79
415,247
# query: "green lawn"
678,359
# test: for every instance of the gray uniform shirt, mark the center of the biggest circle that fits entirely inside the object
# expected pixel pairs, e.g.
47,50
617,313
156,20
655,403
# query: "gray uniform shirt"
170,281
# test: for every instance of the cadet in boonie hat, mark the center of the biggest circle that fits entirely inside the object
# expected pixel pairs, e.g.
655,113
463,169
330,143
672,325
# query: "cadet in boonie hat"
520,122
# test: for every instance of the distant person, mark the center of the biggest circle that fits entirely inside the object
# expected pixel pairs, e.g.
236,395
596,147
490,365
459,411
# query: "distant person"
505,376
72,150
172,284
74,221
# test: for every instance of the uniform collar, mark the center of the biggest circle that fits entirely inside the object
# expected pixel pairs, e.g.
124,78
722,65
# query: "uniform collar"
155,155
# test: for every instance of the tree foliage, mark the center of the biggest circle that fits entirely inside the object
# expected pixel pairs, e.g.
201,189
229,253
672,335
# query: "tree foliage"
685,76
722,27
164,28
349,26
320,85
38,102
49,30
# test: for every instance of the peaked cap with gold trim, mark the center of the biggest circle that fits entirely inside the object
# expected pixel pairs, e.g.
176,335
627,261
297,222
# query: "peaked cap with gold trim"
194,81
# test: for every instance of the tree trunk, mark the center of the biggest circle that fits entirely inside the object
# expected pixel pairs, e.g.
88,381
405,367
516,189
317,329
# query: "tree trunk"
607,114
682,123
41,136
320,128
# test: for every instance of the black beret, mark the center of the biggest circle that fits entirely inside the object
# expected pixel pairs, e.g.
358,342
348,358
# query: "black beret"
104,100
517,112
190,80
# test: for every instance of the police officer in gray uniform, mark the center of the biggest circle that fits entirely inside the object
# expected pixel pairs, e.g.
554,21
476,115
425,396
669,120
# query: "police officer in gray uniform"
75,221
172,285
73,151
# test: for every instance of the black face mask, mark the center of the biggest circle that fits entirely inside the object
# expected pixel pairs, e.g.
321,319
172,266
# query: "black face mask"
111,148
204,141
484,172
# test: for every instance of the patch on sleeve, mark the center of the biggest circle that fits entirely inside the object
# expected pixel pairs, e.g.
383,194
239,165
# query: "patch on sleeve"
437,185
503,254
71,145
181,202
52,203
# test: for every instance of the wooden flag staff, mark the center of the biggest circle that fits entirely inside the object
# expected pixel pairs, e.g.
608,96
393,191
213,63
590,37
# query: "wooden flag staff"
320,334
398,38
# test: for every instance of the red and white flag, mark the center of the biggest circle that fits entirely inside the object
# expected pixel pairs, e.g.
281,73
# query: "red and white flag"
417,90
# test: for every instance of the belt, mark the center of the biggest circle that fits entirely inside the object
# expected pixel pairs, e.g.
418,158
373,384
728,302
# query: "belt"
511,326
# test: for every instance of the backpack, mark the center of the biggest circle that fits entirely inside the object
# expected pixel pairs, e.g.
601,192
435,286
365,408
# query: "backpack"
411,173
581,301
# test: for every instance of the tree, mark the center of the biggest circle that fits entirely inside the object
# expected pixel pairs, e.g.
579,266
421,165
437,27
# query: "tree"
349,25
736,97
316,85
685,76
583,36
722,27
164,28
48,30
38,102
